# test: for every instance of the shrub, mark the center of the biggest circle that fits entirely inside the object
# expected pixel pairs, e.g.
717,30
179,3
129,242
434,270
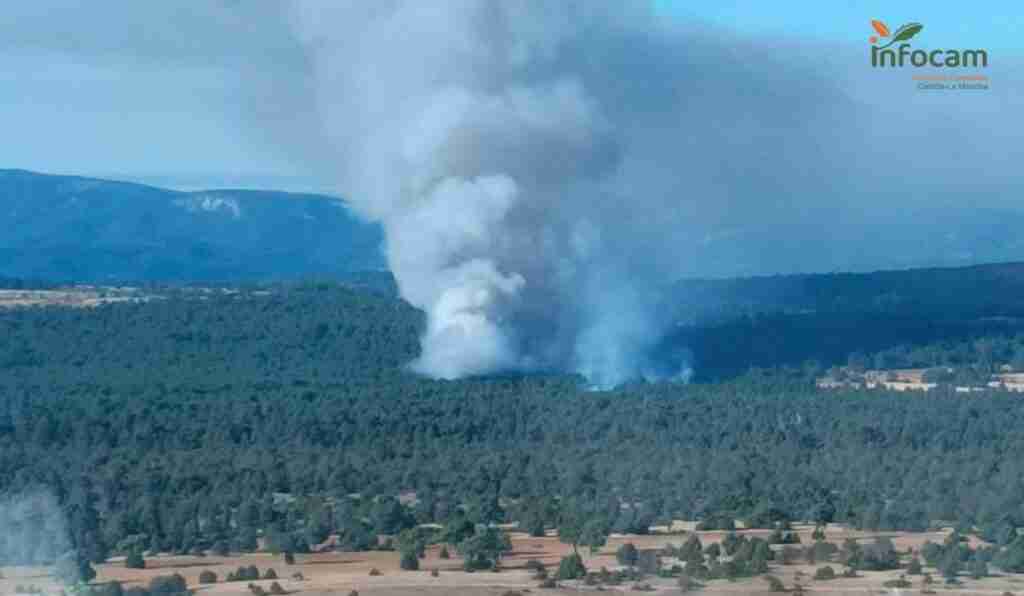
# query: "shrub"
275,588
688,584
257,590
244,574
297,576
409,561
774,584
289,558
444,554
167,585
825,573
717,522
134,560
270,573
534,565
207,577
900,582
548,583
914,567
627,554
571,567
648,561
112,588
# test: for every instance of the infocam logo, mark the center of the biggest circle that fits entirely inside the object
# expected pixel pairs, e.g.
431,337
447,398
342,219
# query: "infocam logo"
903,55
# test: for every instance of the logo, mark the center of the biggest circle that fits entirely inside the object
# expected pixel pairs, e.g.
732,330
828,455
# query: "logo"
904,33
904,55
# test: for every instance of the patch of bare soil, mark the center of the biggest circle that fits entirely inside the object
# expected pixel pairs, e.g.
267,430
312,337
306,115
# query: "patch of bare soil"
331,573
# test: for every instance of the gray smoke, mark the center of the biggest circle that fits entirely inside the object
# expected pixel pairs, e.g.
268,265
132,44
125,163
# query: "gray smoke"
542,168
33,528
493,146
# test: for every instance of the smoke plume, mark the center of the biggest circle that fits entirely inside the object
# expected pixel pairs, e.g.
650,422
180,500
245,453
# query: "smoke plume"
489,142
541,168
33,528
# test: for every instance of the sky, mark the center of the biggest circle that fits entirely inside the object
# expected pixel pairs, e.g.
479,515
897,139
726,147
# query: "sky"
212,94
139,90
998,25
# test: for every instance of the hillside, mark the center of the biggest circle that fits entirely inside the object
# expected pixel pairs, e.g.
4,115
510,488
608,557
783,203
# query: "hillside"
90,230
202,419
993,289
911,318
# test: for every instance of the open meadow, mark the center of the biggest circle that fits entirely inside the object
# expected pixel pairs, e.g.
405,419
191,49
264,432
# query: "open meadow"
335,572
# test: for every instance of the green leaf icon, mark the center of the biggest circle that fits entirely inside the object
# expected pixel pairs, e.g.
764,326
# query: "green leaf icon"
907,31
904,33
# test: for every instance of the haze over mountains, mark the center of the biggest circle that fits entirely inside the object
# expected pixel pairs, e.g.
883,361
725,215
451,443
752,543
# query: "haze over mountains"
68,228
78,229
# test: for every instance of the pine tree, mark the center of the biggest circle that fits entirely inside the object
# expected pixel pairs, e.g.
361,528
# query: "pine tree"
914,567
134,560
409,561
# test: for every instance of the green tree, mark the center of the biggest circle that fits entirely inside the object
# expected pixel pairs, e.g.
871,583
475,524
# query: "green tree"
134,560
577,528
485,548
168,585
409,561
571,567
627,554
978,567
914,567
950,565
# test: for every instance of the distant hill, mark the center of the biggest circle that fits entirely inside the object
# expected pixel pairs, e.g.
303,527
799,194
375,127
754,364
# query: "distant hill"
995,289
732,325
91,230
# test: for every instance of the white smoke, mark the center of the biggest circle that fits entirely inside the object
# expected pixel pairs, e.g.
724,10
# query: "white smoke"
540,168
33,528
458,129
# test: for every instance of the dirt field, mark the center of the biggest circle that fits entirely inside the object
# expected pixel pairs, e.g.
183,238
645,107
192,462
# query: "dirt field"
339,573
80,297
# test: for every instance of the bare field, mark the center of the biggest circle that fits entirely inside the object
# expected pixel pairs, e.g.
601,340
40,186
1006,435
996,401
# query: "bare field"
80,297
342,572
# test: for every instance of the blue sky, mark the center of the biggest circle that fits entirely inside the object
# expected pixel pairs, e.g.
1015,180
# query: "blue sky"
776,102
157,91
991,25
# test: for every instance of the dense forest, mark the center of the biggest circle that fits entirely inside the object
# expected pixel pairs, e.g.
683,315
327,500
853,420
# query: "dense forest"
213,419
913,318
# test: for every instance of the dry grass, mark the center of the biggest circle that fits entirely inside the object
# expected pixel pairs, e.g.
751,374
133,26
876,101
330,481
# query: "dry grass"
339,573
84,297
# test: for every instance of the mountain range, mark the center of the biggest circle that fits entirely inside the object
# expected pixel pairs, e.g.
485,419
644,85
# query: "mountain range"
86,230
101,231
